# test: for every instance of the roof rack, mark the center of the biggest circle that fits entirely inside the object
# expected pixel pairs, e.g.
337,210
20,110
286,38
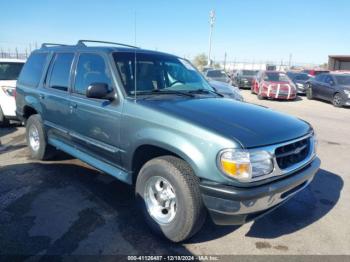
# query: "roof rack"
51,44
82,42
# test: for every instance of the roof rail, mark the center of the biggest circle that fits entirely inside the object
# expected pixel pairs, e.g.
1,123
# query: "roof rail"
82,42
51,44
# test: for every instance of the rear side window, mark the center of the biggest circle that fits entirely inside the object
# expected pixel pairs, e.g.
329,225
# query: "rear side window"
61,71
91,69
33,70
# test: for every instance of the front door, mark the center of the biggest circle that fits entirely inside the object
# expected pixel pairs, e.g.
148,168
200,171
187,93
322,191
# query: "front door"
95,122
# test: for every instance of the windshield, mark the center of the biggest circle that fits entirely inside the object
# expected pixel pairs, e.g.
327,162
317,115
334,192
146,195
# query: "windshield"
276,77
216,73
157,72
301,77
343,80
10,71
249,72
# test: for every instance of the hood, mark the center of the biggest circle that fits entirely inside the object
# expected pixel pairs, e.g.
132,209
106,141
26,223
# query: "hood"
345,87
251,125
8,83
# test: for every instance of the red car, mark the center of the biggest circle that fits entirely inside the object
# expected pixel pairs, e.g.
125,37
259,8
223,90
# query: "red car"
273,84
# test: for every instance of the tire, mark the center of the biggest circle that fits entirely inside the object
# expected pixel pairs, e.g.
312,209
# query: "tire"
260,97
189,215
337,100
3,121
309,94
36,139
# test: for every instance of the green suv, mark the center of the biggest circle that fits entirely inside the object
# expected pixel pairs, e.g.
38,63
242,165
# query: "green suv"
151,120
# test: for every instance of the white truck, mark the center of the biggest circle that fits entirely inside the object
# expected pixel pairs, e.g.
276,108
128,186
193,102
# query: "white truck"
9,72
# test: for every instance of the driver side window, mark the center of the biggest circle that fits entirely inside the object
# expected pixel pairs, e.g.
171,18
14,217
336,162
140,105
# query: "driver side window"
329,80
91,69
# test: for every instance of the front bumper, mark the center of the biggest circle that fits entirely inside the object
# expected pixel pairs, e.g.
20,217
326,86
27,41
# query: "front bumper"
229,205
245,84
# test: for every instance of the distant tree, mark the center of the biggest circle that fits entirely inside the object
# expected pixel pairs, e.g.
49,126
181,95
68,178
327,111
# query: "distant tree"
324,66
217,65
200,61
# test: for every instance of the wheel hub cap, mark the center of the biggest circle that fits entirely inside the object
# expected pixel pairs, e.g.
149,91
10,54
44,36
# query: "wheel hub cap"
160,199
34,140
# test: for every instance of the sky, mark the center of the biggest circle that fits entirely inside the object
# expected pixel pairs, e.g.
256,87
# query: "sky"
249,30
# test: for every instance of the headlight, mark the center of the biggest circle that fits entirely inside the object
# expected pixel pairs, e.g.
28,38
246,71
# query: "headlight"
244,165
300,85
8,90
347,92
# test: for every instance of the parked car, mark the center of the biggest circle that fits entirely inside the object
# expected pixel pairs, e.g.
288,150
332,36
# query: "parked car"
227,90
217,75
205,69
244,78
9,71
299,80
273,84
314,72
334,87
150,119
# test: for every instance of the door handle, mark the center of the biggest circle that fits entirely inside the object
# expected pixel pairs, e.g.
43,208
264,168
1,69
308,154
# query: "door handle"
41,96
72,106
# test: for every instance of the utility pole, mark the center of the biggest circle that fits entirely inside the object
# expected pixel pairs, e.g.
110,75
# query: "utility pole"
290,60
225,61
211,23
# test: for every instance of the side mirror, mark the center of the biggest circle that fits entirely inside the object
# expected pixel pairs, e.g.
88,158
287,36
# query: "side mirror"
100,91
331,83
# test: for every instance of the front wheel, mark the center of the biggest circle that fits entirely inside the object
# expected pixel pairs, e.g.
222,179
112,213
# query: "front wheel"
337,100
309,94
168,192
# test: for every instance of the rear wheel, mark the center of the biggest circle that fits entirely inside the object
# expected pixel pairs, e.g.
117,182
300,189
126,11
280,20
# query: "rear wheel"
36,139
337,100
168,192
4,122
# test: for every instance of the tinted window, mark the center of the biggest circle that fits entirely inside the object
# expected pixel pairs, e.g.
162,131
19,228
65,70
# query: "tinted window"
249,72
10,71
33,69
276,77
216,73
301,77
60,71
91,69
343,79
320,78
328,79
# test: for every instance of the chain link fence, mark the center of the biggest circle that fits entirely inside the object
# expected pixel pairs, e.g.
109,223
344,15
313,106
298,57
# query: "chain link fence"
14,55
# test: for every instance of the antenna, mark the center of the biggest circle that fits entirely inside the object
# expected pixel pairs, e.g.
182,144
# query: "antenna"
135,59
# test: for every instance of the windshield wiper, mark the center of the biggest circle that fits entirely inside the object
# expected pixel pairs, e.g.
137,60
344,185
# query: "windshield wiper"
205,91
164,92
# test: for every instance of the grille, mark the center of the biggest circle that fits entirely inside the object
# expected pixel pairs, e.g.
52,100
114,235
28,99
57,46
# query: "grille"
293,153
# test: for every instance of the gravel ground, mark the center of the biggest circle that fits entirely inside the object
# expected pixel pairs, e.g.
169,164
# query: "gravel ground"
66,207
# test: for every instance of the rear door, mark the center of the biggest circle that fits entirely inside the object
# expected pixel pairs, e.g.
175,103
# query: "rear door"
95,122
55,97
